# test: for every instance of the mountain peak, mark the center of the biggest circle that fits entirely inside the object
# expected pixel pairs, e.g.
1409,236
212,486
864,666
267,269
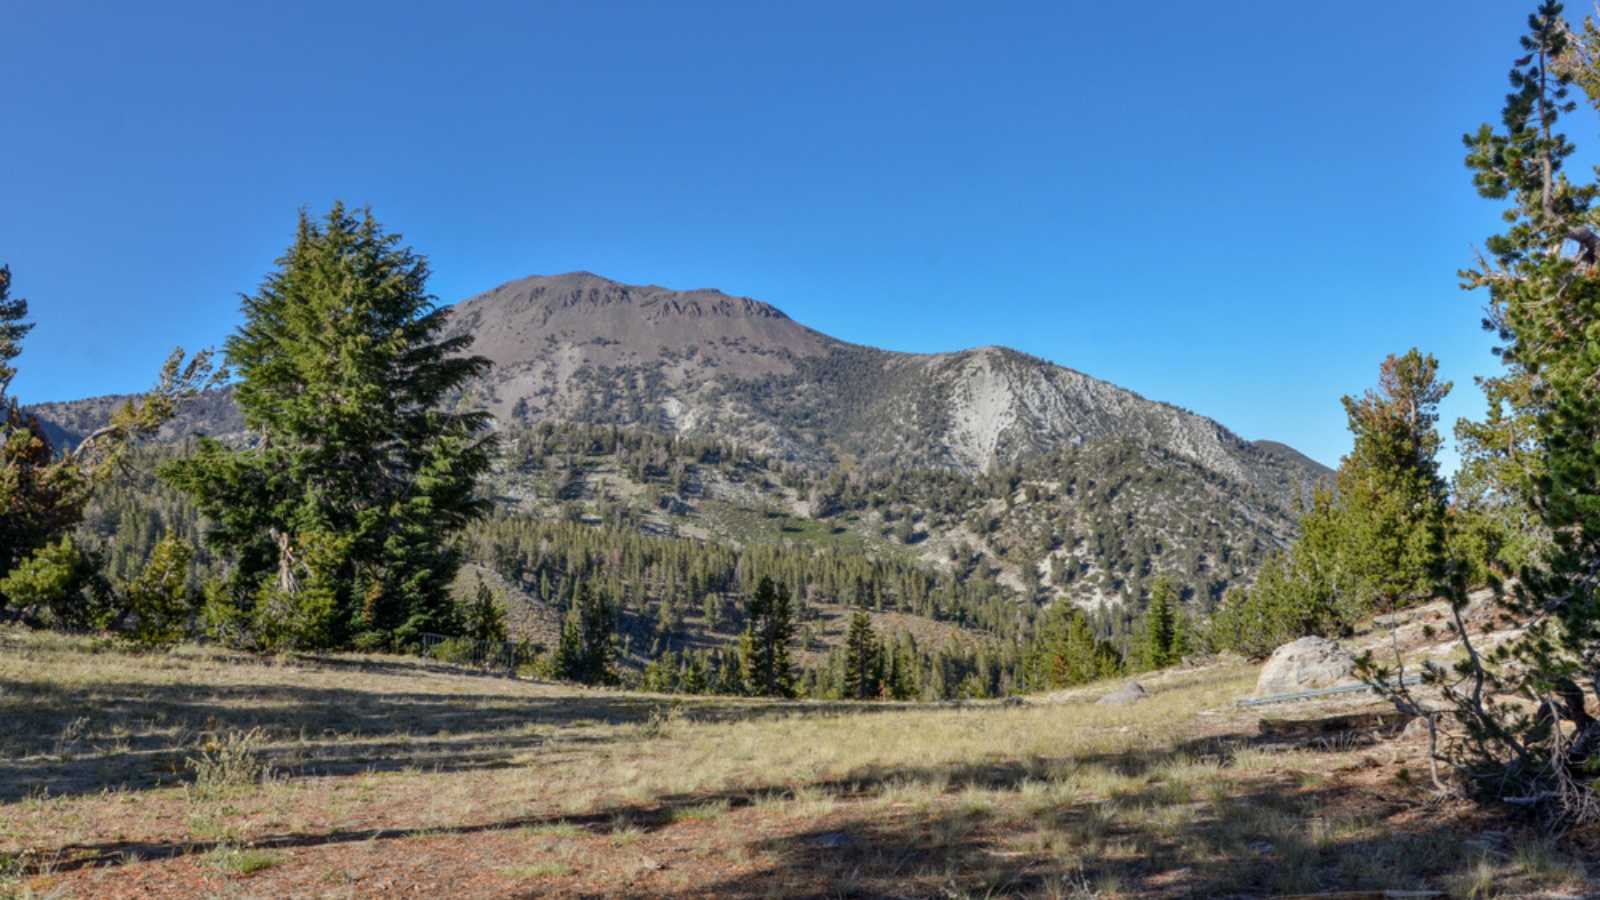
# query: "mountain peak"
581,347
588,292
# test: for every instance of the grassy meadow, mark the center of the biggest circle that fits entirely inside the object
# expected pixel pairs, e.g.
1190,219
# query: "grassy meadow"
199,772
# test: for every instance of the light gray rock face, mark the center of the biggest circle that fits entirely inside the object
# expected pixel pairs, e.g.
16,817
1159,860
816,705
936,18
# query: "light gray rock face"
1305,665
1127,695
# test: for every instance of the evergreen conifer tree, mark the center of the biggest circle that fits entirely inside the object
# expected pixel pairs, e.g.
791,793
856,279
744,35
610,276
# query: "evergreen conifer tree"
338,518
160,598
1542,275
483,618
1160,624
13,328
586,651
863,664
1390,493
769,669
43,492
1066,651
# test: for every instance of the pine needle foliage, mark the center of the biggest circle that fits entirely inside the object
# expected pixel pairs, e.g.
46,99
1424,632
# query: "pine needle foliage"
769,670
1067,651
863,659
339,519
587,653
44,489
1525,737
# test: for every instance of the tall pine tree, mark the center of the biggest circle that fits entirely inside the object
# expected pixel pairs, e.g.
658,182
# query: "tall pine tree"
13,328
338,518
768,667
1390,492
1066,651
1542,274
1161,625
43,491
863,659
587,652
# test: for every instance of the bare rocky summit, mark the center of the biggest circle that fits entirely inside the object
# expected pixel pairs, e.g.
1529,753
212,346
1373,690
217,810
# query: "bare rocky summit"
701,363
985,463
706,364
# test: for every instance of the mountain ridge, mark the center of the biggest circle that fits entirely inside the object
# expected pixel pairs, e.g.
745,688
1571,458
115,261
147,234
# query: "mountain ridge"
705,363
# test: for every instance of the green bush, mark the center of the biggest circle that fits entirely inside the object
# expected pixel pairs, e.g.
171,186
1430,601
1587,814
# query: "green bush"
59,586
160,598
371,642
455,650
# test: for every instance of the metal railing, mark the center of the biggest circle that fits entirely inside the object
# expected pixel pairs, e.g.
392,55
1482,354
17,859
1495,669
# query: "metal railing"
1321,692
504,655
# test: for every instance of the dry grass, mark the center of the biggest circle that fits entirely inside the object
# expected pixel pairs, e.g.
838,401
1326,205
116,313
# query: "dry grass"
197,772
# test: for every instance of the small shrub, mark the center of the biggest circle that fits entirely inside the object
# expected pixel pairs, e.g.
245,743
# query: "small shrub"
70,736
371,642
159,597
59,585
232,761
661,722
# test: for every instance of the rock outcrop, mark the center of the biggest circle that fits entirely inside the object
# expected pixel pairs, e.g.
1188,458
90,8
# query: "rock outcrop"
1305,665
1127,695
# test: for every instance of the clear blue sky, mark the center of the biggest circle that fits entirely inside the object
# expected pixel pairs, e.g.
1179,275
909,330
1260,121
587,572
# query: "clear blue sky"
1235,207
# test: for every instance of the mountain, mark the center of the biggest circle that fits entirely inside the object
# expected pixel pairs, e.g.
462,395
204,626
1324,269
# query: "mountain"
578,347
701,363
983,463
67,422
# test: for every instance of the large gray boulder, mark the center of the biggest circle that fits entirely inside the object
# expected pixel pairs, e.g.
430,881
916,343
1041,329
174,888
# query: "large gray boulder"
1305,665
1128,694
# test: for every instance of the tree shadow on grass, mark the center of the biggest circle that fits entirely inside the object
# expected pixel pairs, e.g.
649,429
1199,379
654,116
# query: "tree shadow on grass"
1259,842
981,832
81,739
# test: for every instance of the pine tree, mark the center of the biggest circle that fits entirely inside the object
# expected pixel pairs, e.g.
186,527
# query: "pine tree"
39,497
693,677
863,664
1390,491
1182,635
43,492
586,651
339,518
1543,278
900,680
59,585
13,328
660,674
1380,539
1160,625
1066,651
483,619
160,598
765,648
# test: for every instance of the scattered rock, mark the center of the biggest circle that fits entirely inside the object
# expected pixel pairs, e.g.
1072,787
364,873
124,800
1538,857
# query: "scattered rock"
1128,694
1305,665
1415,730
